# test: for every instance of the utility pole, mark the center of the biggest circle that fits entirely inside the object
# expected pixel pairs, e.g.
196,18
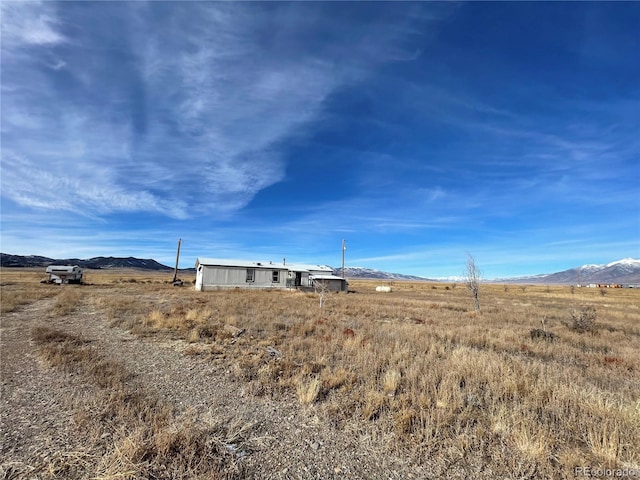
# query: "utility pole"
344,247
175,271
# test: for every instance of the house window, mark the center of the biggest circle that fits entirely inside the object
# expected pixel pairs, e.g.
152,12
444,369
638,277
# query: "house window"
275,276
251,274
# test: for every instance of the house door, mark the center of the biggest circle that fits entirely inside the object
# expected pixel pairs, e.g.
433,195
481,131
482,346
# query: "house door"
199,278
298,279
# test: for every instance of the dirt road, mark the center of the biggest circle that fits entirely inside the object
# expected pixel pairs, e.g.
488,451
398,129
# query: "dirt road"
272,438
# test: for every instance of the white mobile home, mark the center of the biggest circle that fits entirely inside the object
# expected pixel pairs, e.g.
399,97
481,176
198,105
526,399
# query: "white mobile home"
64,274
218,273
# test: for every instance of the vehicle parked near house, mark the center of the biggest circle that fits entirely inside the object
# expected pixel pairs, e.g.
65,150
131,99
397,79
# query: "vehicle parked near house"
61,274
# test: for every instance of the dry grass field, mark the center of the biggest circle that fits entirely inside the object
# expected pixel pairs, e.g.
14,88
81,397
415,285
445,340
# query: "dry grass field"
543,380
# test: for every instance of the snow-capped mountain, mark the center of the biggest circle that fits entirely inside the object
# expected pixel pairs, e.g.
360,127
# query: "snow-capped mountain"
623,271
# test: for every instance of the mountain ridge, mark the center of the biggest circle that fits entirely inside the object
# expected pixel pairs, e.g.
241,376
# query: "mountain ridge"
97,263
362,272
624,271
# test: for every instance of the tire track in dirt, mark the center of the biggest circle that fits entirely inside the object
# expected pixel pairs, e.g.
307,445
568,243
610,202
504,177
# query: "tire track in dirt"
35,421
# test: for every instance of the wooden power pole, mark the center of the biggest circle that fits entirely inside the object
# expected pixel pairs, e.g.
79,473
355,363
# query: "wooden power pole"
175,270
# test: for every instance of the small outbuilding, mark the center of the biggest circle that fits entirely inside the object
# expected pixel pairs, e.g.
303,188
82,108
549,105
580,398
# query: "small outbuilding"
61,274
332,283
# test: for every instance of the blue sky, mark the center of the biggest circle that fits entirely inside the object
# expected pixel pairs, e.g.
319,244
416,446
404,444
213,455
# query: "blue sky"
417,132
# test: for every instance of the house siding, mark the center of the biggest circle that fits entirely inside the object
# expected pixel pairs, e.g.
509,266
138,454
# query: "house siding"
334,285
216,277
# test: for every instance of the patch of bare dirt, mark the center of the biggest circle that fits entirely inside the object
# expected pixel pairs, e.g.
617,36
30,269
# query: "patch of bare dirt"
36,423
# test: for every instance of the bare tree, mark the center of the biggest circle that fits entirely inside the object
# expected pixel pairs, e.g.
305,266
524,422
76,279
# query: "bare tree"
322,289
472,279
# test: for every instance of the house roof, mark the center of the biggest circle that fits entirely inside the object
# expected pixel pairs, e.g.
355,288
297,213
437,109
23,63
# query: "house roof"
304,267
227,262
294,267
327,277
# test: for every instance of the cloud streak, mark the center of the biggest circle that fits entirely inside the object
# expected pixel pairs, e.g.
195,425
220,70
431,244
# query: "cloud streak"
180,116
31,23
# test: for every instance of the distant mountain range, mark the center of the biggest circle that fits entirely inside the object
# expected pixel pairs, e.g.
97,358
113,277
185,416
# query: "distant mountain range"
98,263
361,272
626,271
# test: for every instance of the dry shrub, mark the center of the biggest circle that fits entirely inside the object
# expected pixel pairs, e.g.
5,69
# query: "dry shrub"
340,378
49,336
404,420
530,439
193,336
198,315
539,334
154,319
605,441
374,402
308,390
391,382
583,319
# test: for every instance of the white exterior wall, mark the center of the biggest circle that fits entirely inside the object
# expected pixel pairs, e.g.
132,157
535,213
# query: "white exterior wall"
211,277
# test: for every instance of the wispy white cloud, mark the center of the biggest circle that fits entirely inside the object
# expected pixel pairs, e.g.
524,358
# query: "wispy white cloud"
87,192
191,119
31,23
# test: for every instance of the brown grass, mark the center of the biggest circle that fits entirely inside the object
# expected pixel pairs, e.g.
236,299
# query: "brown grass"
21,287
67,300
419,364
422,364
145,438
308,390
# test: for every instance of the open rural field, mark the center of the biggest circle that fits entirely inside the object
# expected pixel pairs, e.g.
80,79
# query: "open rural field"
129,377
